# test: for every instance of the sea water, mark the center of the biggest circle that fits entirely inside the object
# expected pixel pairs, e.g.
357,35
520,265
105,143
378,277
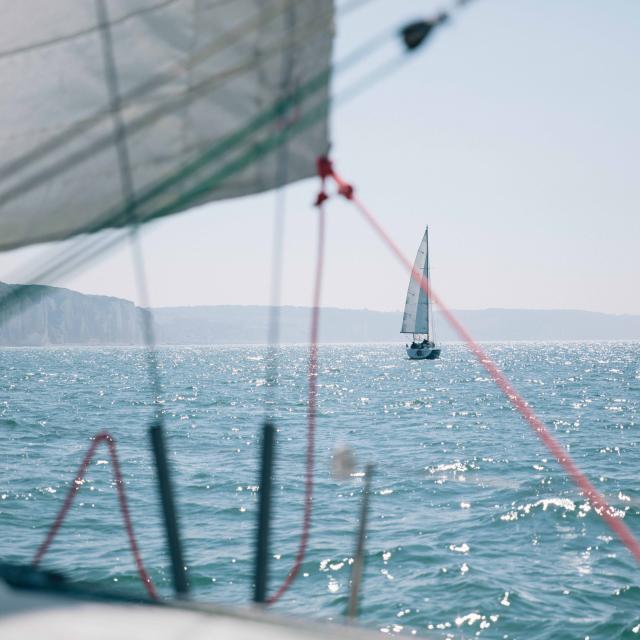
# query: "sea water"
474,529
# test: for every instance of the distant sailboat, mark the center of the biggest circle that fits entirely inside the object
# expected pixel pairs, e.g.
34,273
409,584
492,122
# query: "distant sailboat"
417,310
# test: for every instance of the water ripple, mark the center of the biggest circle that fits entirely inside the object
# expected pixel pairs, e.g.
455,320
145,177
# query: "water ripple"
474,530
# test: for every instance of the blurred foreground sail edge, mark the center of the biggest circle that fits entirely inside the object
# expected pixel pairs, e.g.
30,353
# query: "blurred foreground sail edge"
84,85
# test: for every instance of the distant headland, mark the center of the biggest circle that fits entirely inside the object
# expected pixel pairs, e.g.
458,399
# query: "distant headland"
48,316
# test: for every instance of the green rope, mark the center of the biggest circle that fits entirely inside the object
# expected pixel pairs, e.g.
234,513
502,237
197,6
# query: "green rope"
207,185
119,216
235,139
260,149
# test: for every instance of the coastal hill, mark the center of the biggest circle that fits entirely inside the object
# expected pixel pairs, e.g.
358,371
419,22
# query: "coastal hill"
56,316
42,315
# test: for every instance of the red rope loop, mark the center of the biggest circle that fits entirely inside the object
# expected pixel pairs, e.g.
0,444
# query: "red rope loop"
557,450
312,392
104,436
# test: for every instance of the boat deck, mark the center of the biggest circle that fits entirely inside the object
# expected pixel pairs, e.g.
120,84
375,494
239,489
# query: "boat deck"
37,614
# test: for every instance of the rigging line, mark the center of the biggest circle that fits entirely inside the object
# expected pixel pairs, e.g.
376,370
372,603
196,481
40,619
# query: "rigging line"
277,255
126,180
89,250
229,37
82,248
267,117
275,297
119,216
195,194
302,93
596,499
146,317
69,259
111,79
209,83
75,158
259,149
78,481
157,81
311,411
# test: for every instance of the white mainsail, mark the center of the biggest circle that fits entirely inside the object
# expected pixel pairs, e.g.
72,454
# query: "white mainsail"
120,111
416,307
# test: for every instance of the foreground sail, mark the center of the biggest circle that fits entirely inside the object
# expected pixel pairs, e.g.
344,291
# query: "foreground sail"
119,111
417,310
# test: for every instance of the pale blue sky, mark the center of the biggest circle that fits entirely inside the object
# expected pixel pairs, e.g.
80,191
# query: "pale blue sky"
515,135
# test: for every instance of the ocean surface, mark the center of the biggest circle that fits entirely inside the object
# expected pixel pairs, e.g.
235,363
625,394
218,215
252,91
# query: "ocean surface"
474,529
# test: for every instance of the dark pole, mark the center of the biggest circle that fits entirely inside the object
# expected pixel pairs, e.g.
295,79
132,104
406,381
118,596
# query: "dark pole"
357,567
169,510
264,514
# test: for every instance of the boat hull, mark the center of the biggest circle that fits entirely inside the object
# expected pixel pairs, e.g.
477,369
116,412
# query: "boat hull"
423,353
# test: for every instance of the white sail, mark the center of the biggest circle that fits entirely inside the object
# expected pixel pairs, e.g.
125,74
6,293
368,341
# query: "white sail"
416,307
114,111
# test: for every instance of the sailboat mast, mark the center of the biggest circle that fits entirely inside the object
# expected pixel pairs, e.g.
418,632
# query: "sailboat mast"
426,232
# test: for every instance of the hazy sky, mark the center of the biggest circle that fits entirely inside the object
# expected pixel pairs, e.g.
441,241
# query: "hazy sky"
515,135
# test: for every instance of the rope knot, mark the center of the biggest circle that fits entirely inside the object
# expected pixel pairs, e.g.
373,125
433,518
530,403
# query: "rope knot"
346,190
322,196
324,167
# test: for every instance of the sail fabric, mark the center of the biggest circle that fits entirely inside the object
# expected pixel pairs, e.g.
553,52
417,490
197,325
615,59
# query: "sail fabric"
120,111
416,307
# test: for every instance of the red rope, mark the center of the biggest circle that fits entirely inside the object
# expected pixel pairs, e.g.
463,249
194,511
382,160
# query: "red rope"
557,450
73,490
312,405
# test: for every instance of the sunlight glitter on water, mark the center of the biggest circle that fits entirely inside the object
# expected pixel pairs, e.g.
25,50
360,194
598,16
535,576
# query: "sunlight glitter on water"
458,478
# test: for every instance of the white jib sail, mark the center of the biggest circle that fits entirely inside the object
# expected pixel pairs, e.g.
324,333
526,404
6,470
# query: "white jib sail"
416,308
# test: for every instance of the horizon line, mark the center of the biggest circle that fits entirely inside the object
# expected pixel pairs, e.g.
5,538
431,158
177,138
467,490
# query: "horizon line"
325,308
